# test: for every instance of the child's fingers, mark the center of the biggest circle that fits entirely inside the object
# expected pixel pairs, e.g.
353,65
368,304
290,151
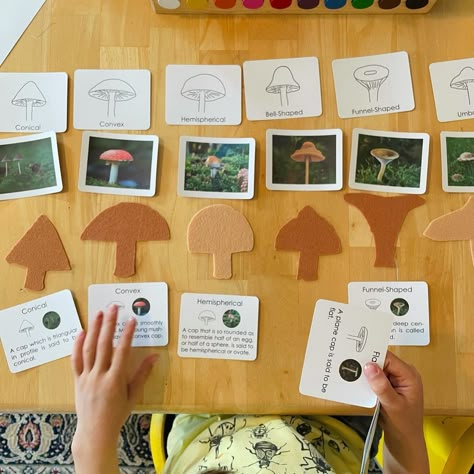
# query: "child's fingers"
77,361
380,385
105,341
122,352
139,378
90,343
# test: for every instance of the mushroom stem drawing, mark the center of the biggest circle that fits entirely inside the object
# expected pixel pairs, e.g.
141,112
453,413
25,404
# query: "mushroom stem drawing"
29,96
283,83
203,88
207,316
384,156
372,77
361,338
114,158
112,91
26,327
465,81
307,153
399,305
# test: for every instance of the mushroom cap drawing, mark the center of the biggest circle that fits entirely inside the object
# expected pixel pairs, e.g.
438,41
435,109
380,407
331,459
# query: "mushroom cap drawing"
207,316
203,88
29,94
372,303
463,79
371,74
308,151
282,79
122,90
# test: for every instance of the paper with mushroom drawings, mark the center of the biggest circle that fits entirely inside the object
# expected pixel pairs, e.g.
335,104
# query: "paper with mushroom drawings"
146,302
115,163
373,85
453,89
203,95
112,99
39,331
33,102
282,88
218,326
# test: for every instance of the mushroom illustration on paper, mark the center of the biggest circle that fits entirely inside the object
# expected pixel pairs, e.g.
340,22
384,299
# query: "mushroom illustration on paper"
360,339
112,91
308,153
221,231
207,316
26,327
115,158
203,88
29,97
464,81
373,303
384,156
371,77
283,83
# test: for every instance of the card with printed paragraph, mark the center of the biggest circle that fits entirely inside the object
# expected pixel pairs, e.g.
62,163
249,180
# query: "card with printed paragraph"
343,338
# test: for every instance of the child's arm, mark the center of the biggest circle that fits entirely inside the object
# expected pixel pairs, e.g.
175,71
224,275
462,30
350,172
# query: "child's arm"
104,393
400,391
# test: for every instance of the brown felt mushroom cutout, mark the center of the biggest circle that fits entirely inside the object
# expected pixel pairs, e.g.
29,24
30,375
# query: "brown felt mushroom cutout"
40,250
312,236
456,225
126,224
221,231
385,216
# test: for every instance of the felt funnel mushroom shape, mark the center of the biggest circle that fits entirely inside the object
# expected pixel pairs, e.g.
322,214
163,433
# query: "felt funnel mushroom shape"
126,224
29,96
40,250
214,164
384,156
385,216
312,236
114,158
283,83
465,81
456,225
371,77
203,88
221,231
113,91
308,153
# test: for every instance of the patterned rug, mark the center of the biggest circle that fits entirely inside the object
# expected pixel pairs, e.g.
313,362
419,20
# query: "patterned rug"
41,444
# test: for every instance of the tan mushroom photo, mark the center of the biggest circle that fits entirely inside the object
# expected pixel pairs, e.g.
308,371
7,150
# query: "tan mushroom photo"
308,153
384,156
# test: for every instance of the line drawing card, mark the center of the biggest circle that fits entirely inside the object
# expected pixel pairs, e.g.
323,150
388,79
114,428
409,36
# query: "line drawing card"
304,160
457,162
219,168
391,162
113,163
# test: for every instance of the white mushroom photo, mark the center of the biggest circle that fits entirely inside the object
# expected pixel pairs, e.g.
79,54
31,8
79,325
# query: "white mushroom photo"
384,156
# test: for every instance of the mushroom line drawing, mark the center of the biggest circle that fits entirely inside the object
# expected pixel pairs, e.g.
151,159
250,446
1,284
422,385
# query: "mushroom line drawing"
203,88
206,316
371,77
360,339
26,327
465,81
112,91
30,97
384,156
283,83
373,303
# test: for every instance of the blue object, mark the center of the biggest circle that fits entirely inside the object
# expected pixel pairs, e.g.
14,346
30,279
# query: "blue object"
334,4
128,183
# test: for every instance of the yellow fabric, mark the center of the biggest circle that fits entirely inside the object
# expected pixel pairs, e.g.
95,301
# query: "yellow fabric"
158,454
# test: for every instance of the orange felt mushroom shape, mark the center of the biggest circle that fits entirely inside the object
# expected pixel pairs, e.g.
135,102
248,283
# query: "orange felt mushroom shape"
126,224
312,236
456,225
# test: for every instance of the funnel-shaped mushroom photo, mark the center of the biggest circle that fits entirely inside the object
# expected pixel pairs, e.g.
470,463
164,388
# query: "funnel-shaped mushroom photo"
114,158
40,250
464,81
384,156
312,236
113,91
203,88
372,77
29,97
283,83
456,225
308,153
126,224
221,231
385,216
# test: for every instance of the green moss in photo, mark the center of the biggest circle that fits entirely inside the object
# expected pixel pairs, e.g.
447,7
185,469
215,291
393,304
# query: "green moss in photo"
460,163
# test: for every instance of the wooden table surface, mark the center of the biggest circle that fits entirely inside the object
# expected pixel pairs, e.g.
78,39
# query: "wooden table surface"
68,35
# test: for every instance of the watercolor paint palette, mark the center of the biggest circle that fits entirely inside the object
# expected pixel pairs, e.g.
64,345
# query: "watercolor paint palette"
292,6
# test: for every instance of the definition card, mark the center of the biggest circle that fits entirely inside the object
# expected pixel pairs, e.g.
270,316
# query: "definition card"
39,331
373,85
457,161
219,168
146,302
406,300
107,99
282,88
453,89
203,95
33,102
390,162
304,160
218,326
121,164
341,341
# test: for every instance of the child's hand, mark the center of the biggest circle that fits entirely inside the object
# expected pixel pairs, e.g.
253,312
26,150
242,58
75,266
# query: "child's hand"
400,391
104,391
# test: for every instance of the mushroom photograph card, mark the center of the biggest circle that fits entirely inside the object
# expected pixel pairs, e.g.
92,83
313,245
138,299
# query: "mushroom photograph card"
114,163
304,160
33,102
457,161
373,85
453,89
390,162
112,99
29,166
282,88
203,94
219,168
